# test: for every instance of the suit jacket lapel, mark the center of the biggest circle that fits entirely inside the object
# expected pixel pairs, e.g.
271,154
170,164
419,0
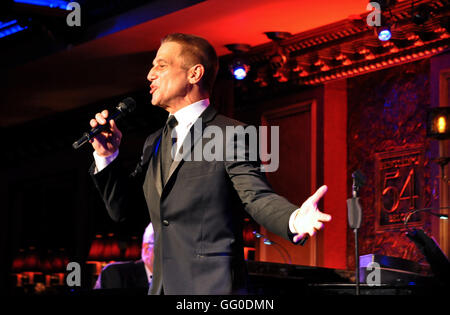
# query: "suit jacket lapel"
157,168
154,168
195,134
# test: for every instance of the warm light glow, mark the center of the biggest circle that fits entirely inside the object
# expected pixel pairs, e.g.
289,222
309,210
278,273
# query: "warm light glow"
318,63
325,67
441,124
394,50
347,62
303,73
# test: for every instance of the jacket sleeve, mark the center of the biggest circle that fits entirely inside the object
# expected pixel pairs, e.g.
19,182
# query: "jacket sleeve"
115,188
120,189
265,206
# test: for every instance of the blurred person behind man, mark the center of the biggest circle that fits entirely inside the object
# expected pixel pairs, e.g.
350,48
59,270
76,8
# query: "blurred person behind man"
136,275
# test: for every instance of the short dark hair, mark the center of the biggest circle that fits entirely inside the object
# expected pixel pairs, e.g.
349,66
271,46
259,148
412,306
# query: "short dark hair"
197,50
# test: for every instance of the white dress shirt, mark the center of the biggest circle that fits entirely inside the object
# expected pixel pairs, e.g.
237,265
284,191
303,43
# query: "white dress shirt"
186,117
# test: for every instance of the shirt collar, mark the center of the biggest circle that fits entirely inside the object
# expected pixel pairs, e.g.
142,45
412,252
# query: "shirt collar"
189,114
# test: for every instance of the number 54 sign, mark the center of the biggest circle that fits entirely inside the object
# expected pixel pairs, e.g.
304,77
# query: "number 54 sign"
399,187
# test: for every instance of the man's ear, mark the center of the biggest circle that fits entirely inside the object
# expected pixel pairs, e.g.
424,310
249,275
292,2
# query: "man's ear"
196,73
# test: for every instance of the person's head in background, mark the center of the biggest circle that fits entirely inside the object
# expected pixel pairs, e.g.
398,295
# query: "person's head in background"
147,247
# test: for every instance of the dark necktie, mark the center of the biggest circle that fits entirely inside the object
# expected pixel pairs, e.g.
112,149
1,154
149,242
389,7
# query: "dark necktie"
167,142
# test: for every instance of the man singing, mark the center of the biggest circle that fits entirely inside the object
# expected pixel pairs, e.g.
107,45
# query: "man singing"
195,205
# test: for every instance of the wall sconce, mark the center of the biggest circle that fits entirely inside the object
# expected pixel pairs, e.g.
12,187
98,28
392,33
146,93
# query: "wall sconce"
438,120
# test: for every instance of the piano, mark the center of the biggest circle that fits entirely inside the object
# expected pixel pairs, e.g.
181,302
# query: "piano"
266,278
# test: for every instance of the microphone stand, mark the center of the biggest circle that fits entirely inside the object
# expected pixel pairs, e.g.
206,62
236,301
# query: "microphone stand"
354,219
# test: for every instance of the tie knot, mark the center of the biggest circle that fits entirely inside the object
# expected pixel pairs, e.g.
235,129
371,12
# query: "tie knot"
171,121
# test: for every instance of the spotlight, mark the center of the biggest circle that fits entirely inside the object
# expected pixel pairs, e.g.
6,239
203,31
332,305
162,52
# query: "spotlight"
384,33
239,73
239,69
438,123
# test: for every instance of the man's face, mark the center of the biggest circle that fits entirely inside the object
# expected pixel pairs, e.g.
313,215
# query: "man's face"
168,76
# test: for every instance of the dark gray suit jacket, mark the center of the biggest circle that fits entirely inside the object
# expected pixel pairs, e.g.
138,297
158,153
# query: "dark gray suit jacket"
123,275
197,215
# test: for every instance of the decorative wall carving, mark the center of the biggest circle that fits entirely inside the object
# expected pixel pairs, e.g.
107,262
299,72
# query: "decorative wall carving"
387,110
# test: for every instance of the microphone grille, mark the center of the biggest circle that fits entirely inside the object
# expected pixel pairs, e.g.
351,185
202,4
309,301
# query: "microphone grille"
127,105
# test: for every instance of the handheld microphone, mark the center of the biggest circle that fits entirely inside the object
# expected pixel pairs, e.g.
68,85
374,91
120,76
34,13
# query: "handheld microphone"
123,108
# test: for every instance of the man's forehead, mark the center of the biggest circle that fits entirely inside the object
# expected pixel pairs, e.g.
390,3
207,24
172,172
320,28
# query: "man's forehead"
168,51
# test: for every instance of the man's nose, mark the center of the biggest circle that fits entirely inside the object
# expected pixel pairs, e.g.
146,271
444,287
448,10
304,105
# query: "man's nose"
151,76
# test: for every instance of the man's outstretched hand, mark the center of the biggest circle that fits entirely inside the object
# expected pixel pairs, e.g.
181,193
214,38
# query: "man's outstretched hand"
308,219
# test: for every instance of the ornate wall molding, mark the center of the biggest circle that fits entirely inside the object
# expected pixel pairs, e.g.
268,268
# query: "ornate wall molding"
349,48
